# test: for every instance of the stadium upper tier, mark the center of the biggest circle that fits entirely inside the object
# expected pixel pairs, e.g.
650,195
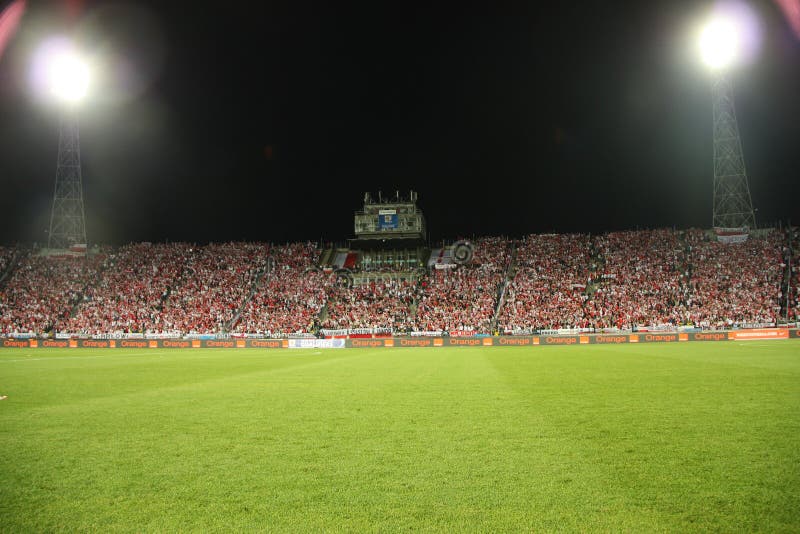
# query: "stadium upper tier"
624,280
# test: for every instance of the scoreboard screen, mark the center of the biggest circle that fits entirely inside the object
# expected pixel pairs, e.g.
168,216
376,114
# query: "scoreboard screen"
387,220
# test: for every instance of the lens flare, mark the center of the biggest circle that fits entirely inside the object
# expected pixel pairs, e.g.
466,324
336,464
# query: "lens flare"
68,77
730,37
59,72
9,20
791,9
719,43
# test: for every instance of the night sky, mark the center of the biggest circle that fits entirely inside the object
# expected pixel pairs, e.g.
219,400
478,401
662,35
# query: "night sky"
218,122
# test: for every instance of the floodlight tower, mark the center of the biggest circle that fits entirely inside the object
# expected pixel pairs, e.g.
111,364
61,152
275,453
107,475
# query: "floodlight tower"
68,78
733,206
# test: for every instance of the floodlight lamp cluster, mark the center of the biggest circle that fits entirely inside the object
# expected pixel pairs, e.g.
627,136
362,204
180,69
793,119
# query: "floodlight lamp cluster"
719,43
68,76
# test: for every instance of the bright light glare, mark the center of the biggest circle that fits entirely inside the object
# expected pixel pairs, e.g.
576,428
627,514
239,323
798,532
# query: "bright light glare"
719,43
68,76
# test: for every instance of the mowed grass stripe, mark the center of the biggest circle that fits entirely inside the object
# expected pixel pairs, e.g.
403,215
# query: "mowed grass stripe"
668,433
642,438
103,372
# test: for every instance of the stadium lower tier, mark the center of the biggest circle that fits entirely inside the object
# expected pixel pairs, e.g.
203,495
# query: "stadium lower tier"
621,281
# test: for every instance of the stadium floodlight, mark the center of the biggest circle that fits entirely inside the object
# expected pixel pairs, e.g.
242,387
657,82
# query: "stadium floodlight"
62,75
68,76
719,43
726,40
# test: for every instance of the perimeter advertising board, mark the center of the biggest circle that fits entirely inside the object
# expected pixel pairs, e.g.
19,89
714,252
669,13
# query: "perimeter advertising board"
144,343
610,339
708,336
658,338
766,333
497,341
316,343
11,343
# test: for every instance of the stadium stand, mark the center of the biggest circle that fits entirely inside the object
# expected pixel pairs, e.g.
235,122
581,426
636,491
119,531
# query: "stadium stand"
640,280
465,299
42,292
547,290
793,256
217,279
376,305
621,280
734,284
290,298
129,295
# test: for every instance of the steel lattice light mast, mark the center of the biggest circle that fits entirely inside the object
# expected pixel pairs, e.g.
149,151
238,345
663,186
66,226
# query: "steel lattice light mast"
733,206
68,77
67,221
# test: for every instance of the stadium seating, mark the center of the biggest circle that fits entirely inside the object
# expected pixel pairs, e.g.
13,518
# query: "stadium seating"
619,280
290,299
640,280
384,305
734,284
130,292
793,256
217,280
465,299
42,292
547,290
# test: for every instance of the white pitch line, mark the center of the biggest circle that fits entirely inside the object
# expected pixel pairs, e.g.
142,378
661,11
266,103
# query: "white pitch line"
55,358
87,357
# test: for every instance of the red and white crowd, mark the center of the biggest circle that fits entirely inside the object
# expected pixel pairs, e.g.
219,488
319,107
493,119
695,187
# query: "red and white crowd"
291,296
793,257
547,290
375,305
639,280
736,283
129,292
465,299
216,281
42,292
625,280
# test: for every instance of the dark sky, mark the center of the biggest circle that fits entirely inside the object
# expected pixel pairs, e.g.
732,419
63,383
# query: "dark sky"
585,116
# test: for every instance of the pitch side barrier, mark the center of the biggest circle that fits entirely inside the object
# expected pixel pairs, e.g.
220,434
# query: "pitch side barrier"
496,341
146,343
593,339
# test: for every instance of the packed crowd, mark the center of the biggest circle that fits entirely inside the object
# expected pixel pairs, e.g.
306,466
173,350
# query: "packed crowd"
617,280
547,289
289,300
41,292
640,279
464,299
734,284
215,282
386,304
793,257
129,293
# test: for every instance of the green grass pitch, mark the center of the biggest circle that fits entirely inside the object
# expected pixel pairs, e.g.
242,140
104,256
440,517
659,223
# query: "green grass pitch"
634,438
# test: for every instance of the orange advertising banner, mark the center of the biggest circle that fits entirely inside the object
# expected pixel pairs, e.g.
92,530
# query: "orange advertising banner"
771,333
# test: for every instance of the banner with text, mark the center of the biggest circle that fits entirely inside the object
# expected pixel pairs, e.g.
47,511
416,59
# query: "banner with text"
411,341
